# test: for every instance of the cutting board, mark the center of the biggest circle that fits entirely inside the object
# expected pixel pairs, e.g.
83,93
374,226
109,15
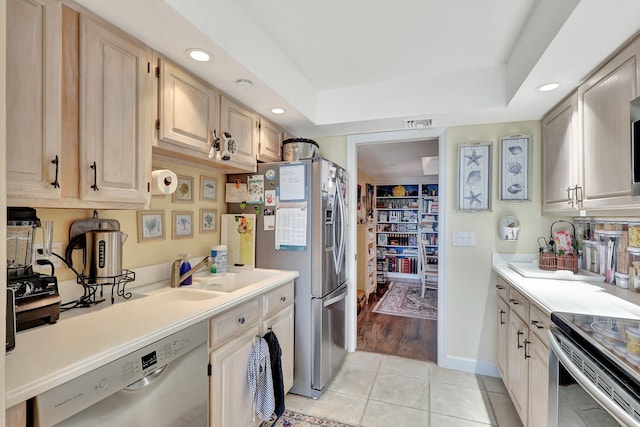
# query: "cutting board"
531,269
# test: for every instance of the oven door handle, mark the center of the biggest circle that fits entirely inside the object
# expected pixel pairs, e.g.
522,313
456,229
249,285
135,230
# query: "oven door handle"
610,406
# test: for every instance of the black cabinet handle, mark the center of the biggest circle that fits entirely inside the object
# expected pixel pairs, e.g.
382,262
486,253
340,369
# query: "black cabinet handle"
502,322
518,338
514,301
283,298
526,346
55,182
500,287
95,177
535,323
241,320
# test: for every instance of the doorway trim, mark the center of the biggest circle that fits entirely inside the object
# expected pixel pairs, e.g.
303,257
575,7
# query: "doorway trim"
353,141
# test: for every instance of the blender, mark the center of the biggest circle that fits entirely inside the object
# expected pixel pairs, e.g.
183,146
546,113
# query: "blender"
37,300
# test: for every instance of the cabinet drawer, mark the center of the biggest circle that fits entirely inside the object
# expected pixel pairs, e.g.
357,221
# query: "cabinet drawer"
277,299
233,322
539,323
502,288
519,304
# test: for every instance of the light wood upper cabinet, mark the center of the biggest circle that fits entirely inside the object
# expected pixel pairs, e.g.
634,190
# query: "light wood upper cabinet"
270,145
560,156
604,111
116,114
189,110
242,124
34,44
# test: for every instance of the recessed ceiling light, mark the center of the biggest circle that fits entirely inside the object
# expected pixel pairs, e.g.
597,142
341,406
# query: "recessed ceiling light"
199,55
277,110
548,87
244,82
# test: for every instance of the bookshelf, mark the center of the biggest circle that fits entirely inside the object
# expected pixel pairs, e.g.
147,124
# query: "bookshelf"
397,218
428,235
367,259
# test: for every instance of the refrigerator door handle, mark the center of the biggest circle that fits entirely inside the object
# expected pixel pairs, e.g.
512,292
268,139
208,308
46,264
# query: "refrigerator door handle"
334,300
342,240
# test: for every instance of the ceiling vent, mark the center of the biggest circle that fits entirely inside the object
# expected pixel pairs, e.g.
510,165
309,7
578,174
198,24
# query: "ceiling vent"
418,123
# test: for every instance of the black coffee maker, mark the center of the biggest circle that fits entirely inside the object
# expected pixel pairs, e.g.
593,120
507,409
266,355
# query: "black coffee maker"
36,296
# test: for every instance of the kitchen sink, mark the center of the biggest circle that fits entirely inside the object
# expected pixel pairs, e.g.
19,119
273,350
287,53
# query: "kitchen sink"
232,280
184,294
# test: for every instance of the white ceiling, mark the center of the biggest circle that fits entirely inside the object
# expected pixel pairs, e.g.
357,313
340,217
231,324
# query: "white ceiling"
345,67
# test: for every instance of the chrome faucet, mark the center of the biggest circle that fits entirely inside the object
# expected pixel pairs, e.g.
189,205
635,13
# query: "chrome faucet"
176,278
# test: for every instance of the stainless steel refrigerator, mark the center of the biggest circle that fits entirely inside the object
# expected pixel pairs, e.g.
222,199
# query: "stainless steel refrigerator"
301,225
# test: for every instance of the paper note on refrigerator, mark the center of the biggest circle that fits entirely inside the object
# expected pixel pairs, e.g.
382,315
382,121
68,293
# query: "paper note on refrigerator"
292,182
291,229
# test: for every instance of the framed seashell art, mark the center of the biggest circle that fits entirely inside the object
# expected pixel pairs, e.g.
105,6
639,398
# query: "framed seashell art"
514,170
474,176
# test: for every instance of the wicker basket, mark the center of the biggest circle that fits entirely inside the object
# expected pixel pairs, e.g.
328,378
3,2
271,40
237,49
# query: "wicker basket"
552,262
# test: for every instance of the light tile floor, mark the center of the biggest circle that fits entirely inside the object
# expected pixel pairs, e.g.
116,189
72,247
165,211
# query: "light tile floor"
375,390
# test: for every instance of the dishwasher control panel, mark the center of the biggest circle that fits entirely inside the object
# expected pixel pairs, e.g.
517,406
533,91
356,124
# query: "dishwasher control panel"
130,372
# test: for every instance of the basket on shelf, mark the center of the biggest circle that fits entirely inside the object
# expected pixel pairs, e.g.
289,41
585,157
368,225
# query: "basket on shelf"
550,260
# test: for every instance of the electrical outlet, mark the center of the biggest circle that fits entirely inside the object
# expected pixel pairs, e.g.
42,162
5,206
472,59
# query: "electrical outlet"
56,247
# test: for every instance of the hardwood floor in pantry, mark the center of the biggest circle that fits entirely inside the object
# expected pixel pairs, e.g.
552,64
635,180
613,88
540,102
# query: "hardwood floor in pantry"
396,335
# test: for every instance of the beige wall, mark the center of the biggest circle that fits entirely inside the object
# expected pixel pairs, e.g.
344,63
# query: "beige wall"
137,254
471,290
334,148
3,192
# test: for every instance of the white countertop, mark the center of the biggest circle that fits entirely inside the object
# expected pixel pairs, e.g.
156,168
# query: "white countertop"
572,296
50,355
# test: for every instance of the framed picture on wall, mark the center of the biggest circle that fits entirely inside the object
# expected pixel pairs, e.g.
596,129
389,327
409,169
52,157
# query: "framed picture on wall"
208,188
474,176
184,192
182,224
208,220
514,167
150,225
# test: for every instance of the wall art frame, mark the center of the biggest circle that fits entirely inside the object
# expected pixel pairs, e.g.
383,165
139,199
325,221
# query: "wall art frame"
474,176
208,188
184,192
514,167
208,220
182,224
151,225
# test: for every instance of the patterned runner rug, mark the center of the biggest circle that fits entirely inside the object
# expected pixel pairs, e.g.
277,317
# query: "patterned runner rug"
294,419
403,299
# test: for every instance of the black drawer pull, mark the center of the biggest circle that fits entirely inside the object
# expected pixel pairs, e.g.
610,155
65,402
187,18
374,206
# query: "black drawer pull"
283,298
241,320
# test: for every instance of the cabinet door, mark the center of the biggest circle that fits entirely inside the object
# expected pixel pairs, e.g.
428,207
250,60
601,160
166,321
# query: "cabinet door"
269,148
282,324
538,382
229,391
502,339
560,155
242,124
115,115
604,111
518,366
189,110
34,70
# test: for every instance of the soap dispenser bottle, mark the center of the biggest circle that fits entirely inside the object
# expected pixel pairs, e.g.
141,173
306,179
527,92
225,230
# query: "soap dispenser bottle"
184,268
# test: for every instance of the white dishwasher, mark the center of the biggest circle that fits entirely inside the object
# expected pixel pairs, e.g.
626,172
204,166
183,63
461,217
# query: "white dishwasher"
162,384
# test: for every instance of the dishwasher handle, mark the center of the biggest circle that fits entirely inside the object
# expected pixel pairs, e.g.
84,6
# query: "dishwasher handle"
148,379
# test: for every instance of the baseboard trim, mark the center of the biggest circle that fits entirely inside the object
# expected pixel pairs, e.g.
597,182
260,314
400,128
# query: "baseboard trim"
469,365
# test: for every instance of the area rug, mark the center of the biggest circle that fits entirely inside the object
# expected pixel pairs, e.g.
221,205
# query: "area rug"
404,299
294,419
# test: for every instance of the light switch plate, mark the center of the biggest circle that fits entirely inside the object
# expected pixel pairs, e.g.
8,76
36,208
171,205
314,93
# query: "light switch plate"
464,238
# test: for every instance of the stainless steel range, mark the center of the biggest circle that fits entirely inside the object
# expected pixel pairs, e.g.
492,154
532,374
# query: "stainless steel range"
594,371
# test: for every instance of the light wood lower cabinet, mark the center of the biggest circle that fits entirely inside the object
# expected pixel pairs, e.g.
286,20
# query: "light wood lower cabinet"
522,354
16,416
231,337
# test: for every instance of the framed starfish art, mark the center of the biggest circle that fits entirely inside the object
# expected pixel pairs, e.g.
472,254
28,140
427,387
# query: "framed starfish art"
474,176
514,167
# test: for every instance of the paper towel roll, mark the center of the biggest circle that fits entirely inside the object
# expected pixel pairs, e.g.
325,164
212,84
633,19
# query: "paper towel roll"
163,181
